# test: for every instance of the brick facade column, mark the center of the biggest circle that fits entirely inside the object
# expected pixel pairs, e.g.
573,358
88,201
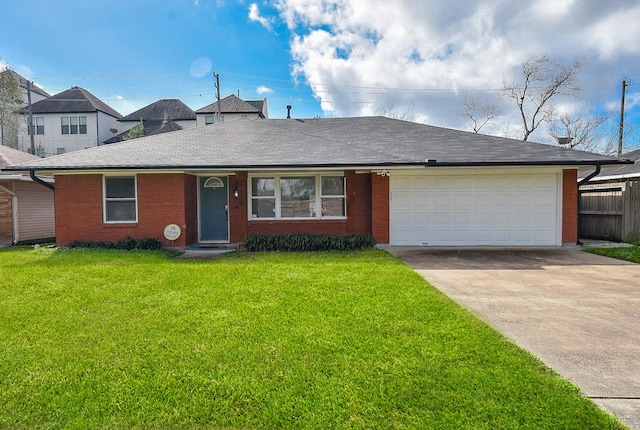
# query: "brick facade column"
569,206
380,208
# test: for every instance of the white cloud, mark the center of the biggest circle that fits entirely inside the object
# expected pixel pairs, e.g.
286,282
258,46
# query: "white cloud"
254,16
361,56
263,90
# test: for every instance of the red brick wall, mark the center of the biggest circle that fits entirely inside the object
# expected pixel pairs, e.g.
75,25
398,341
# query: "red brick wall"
190,227
358,203
172,199
6,217
161,201
332,227
380,208
570,206
238,208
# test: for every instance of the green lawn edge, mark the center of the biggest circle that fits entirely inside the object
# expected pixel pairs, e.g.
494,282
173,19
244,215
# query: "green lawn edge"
115,339
627,253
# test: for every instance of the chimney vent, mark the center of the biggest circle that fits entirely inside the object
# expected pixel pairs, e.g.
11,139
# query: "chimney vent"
288,111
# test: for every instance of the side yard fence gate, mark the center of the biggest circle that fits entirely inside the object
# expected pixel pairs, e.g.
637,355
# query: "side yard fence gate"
610,211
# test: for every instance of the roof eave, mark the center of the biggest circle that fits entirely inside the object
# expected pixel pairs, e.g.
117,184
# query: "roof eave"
426,164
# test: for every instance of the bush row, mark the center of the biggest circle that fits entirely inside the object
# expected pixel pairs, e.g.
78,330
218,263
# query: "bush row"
307,242
128,243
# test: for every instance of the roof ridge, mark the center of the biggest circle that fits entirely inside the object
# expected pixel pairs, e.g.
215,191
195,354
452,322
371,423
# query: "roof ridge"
354,145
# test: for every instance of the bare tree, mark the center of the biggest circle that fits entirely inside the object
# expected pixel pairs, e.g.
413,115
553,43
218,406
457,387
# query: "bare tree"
480,115
542,80
585,129
391,111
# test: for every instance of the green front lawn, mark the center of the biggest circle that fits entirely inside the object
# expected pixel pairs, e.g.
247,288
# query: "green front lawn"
629,253
110,339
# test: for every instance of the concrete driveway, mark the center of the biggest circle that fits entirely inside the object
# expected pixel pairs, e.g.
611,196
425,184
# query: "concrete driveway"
578,312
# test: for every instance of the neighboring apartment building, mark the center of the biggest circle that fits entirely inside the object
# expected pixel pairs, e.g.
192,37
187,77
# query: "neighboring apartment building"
69,121
158,117
232,108
37,94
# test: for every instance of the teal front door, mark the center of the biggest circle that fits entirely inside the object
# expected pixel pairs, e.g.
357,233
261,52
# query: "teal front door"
214,209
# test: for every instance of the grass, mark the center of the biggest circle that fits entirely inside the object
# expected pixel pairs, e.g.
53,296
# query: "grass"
110,339
628,253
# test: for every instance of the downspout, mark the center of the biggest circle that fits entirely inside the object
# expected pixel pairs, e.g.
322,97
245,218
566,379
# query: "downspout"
581,183
32,175
591,176
14,214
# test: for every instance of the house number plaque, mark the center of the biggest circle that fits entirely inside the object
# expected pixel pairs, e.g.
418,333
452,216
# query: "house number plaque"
172,232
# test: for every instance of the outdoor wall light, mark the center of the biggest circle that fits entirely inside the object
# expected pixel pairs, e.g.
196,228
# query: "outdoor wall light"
235,191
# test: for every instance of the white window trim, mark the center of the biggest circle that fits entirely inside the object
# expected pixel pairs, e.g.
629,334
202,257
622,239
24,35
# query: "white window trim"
104,198
278,196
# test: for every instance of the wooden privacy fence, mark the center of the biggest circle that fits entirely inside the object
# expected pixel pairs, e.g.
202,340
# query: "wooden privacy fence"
610,211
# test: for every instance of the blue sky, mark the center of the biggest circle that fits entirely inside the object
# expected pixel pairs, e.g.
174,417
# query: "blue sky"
417,59
131,53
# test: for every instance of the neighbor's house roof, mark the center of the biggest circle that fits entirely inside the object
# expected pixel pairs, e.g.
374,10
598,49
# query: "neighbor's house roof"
375,142
612,173
158,117
149,128
9,156
233,104
174,110
22,82
73,100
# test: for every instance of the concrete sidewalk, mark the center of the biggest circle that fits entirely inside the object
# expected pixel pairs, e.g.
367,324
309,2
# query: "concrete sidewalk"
578,312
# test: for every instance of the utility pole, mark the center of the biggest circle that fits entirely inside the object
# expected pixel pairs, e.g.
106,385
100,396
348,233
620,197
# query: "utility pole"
30,128
621,135
217,76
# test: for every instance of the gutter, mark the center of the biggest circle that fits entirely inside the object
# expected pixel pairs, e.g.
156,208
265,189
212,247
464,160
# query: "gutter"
14,213
32,175
582,182
590,176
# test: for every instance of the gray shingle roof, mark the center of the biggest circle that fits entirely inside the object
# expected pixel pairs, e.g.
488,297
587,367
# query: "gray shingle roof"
174,108
329,142
149,128
9,156
73,100
230,104
623,171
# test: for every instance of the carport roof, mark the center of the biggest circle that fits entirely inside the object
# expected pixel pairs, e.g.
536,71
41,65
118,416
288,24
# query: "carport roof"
315,143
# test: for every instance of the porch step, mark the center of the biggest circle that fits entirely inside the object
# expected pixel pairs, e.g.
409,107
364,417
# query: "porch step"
209,249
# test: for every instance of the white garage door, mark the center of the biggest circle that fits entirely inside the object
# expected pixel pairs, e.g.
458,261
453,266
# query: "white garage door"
474,209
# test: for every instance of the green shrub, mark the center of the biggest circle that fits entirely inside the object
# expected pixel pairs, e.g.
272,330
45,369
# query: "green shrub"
128,243
297,242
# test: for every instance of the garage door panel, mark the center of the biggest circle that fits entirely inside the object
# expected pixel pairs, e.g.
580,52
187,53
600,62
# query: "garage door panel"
492,209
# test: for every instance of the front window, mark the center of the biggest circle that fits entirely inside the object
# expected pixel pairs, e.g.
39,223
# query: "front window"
208,119
298,197
263,198
120,199
333,196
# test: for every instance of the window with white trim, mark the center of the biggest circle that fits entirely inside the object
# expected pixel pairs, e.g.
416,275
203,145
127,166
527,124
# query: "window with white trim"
298,197
211,119
37,125
120,203
73,125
